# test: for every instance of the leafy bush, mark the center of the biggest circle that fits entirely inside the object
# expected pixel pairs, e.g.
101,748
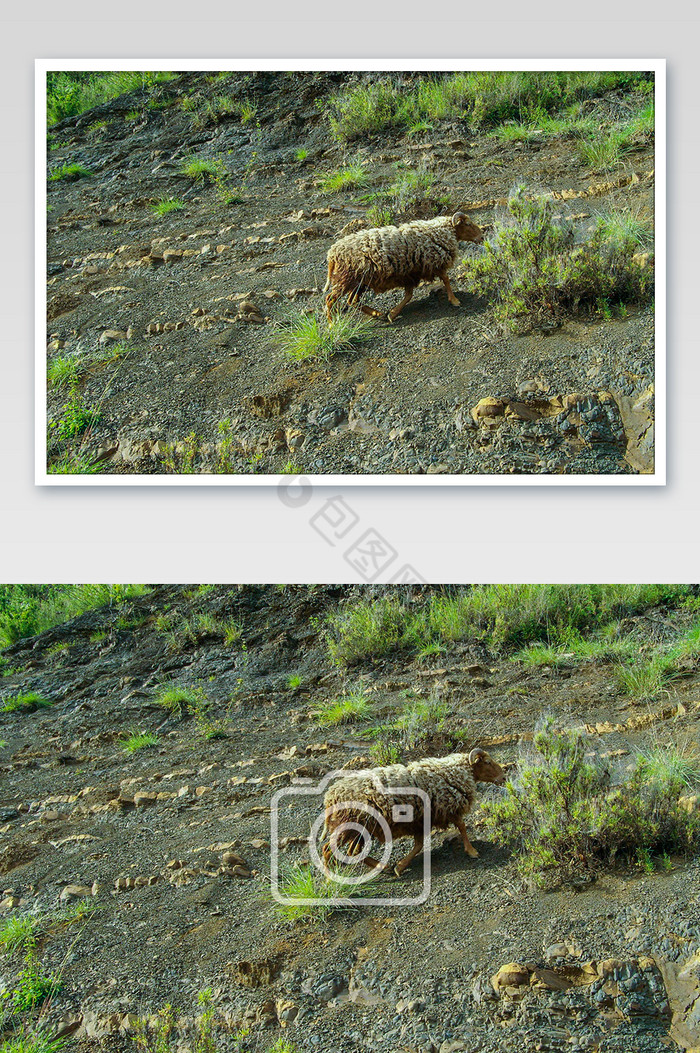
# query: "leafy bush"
28,702
71,92
562,817
534,268
29,609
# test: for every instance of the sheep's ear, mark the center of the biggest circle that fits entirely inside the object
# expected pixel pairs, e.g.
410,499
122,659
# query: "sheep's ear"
476,755
457,218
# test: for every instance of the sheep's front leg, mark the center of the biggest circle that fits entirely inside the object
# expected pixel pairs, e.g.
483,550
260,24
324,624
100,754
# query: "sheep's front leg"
370,311
468,846
450,295
407,860
396,311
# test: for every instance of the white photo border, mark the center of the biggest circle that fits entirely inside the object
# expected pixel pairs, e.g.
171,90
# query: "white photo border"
43,66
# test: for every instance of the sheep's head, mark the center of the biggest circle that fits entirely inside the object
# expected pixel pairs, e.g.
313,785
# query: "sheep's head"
485,769
465,230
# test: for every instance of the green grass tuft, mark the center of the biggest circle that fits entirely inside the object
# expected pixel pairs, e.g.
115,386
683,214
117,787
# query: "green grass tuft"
303,337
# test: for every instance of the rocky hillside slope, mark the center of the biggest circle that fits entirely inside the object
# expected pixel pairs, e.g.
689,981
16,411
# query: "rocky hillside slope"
147,873
171,319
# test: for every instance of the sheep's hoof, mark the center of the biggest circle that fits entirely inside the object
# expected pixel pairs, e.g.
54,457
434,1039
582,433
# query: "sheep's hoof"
398,871
455,302
472,852
389,318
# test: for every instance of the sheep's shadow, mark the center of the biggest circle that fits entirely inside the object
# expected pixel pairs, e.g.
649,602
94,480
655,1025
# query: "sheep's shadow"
433,304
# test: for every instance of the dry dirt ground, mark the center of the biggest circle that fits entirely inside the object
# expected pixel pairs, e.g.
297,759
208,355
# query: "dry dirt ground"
612,965
196,295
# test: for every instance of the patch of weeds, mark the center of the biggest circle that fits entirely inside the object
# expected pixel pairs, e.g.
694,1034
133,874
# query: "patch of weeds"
69,173
292,468
167,204
162,1034
19,933
248,111
97,127
303,337
75,462
429,650
76,417
63,371
138,740
32,1040
538,654
533,268
98,637
34,986
200,169
627,227
411,188
294,681
563,818
181,701
28,702
347,709
421,719
299,884
283,1045
232,630
301,154
384,752
649,679
379,217
351,177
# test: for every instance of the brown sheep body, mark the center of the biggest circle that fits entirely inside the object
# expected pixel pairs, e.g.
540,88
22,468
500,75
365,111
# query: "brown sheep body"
384,258
449,782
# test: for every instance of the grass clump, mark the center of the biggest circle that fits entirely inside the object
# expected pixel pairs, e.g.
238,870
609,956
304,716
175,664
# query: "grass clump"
563,817
304,337
534,269
19,933
32,1040
299,884
63,371
347,709
139,740
180,700
28,702
200,169
347,178
70,173
166,205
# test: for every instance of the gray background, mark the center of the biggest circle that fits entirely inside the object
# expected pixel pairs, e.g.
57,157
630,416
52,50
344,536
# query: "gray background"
248,534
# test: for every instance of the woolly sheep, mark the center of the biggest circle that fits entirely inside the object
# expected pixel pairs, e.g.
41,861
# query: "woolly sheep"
396,258
449,782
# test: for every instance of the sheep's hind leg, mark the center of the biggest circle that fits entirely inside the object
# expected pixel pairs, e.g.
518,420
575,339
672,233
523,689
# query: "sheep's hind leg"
450,295
407,860
468,846
396,311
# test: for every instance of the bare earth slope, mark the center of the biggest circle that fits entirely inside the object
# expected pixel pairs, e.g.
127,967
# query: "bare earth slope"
145,837
195,294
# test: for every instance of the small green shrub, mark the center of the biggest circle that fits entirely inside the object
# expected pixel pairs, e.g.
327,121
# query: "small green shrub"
182,701
301,154
294,681
167,204
351,176
303,337
533,268
562,817
138,740
19,933
76,417
28,702
70,173
347,709
34,986
300,882
200,169
63,371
